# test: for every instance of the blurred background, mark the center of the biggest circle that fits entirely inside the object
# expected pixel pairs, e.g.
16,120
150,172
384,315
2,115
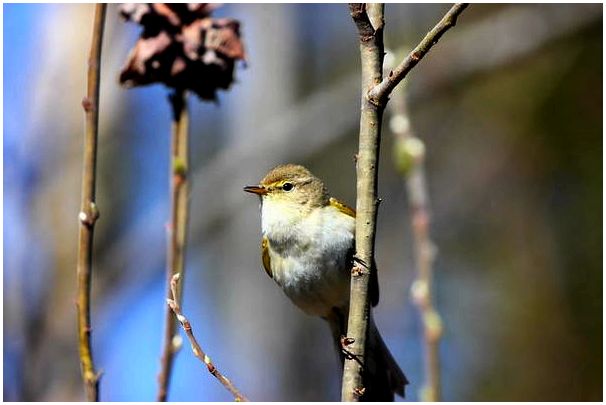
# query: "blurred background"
509,105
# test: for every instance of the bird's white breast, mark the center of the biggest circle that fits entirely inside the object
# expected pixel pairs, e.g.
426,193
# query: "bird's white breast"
309,254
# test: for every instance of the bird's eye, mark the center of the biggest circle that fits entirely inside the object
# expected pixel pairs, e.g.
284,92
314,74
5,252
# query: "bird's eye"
287,186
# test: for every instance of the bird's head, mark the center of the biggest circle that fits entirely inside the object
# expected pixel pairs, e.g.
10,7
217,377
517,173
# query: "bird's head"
291,185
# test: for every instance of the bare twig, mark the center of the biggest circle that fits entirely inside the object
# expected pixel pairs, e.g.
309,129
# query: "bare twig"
176,230
371,51
88,209
380,93
195,346
410,156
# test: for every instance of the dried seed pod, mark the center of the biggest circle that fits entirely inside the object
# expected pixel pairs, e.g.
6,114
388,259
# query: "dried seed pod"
182,47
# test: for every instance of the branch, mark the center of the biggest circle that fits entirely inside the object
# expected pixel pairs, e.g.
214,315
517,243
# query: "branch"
88,209
362,21
173,303
380,93
410,159
371,51
176,230
370,30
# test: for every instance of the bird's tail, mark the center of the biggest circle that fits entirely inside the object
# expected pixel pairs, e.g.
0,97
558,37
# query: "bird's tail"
382,376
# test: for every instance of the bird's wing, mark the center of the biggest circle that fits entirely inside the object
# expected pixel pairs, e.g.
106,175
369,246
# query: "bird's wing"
265,256
374,281
342,207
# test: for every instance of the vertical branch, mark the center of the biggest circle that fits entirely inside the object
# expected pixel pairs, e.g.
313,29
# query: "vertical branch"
176,232
88,209
369,19
371,51
410,157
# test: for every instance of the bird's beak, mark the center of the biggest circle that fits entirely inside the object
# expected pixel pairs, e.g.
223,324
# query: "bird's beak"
259,190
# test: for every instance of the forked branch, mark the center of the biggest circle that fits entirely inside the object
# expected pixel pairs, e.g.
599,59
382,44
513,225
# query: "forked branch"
369,19
380,93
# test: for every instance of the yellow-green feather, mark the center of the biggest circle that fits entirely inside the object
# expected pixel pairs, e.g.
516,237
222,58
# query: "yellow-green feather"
265,256
342,207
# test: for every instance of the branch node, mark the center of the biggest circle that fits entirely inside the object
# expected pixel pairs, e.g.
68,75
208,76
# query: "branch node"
366,38
179,170
177,343
433,325
359,391
357,271
346,341
373,99
90,216
420,292
87,104
92,379
186,325
83,218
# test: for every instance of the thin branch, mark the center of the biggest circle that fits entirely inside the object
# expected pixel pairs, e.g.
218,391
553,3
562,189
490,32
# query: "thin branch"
176,230
410,160
380,93
195,346
88,209
371,51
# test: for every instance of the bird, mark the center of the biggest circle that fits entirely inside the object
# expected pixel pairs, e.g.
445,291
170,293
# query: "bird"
308,248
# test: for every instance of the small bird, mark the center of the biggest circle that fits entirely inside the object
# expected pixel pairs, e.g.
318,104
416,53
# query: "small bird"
308,250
